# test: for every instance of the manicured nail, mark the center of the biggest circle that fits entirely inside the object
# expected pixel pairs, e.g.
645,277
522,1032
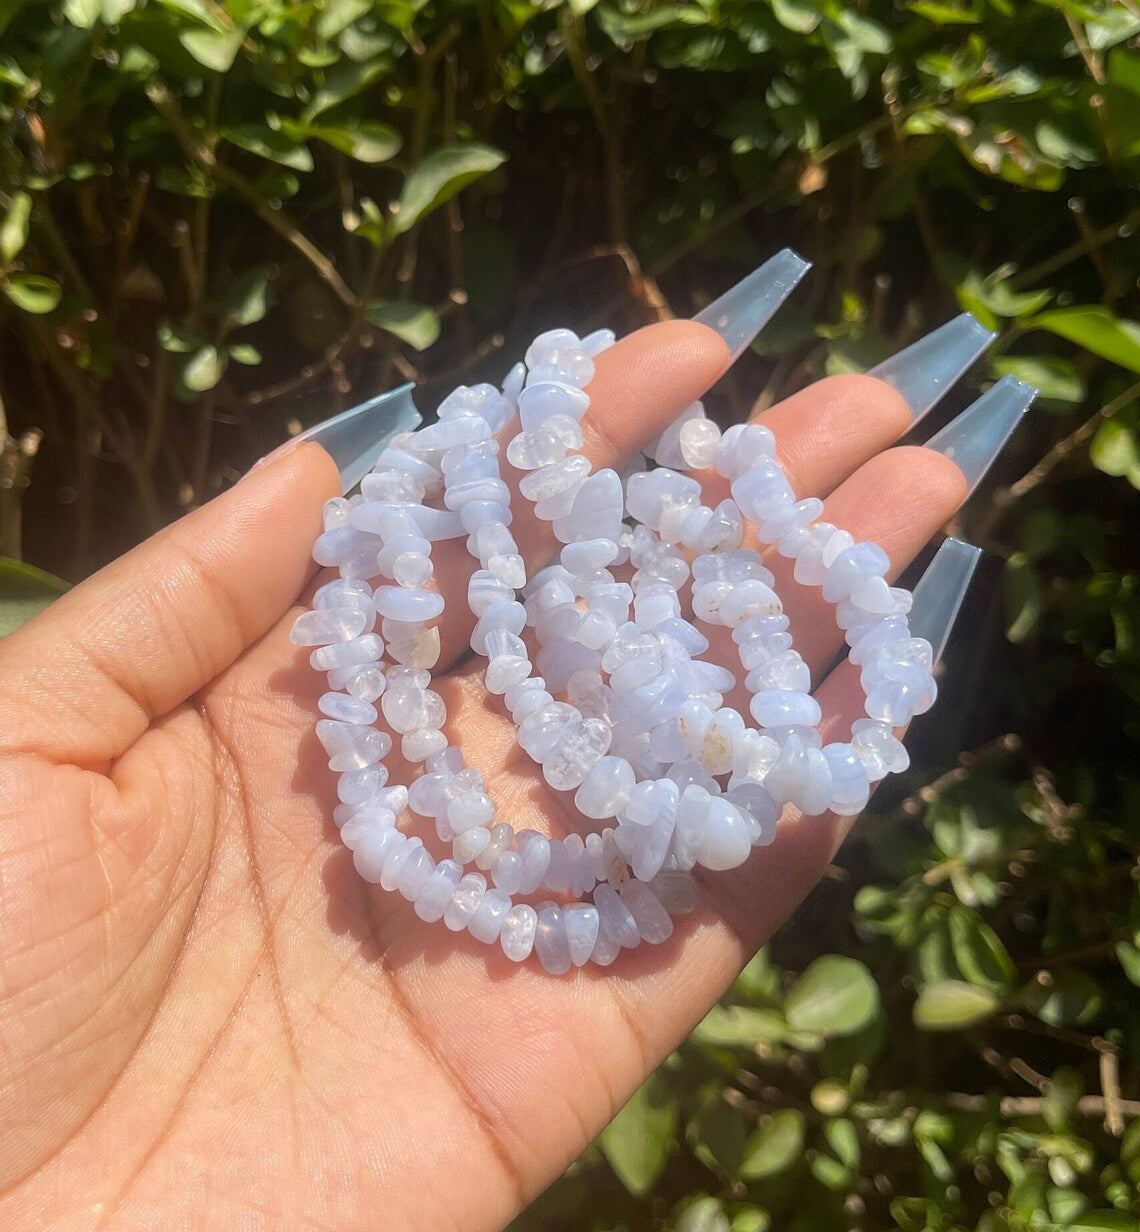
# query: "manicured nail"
976,437
940,591
925,370
743,310
355,438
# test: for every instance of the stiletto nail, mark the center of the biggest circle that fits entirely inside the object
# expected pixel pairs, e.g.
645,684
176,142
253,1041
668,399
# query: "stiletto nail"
356,438
743,310
925,370
976,437
940,591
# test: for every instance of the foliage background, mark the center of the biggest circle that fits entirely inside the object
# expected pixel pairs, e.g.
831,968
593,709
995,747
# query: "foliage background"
220,221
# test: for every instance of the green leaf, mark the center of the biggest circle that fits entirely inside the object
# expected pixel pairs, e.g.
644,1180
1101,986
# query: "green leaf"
866,34
1103,1221
1115,449
440,176
1064,997
213,49
775,1146
1024,597
1128,955
177,341
843,1140
24,592
760,980
994,294
1097,330
270,143
799,16
1057,379
1062,1096
704,1215
14,228
341,83
751,1219
337,15
367,141
951,1005
978,951
115,10
717,1135
739,1026
945,14
834,996
204,369
415,324
33,292
638,1141
200,11
243,353
246,300
83,13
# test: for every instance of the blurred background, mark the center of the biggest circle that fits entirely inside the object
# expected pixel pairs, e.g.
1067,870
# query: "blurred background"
220,222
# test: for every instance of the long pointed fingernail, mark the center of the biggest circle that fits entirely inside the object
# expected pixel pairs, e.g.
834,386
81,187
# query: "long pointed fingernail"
977,436
743,310
355,438
925,370
940,591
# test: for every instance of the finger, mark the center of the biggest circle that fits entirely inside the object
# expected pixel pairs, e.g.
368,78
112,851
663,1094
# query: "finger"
897,500
826,432
81,682
641,384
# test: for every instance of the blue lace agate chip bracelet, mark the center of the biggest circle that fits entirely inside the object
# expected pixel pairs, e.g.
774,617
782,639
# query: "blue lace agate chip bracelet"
641,734
617,705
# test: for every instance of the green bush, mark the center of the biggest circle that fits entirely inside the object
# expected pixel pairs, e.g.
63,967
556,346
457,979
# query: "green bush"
216,219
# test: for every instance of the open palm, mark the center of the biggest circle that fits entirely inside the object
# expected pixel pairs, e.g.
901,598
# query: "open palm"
206,1018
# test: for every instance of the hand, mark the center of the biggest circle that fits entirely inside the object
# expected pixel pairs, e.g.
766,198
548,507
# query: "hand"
207,1019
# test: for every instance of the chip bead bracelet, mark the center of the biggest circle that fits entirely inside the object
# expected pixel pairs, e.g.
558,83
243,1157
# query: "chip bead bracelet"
618,705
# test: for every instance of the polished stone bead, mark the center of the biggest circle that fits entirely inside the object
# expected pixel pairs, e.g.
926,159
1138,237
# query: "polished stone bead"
518,932
399,603
650,846
780,708
850,786
698,439
371,850
615,918
487,920
550,941
395,860
417,868
653,922
354,652
464,902
580,921
324,625
350,746
606,788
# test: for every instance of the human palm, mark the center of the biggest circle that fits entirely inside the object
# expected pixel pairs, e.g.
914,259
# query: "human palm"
207,1019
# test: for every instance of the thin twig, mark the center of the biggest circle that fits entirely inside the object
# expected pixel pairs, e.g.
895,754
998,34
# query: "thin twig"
166,104
1064,448
1110,1085
16,457
1033,275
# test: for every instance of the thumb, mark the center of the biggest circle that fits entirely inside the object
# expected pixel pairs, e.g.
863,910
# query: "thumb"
83,681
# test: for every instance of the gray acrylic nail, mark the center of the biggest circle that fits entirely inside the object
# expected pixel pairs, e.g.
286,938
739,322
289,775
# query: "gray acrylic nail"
925,370
940,591
743,310
977,436
356,438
